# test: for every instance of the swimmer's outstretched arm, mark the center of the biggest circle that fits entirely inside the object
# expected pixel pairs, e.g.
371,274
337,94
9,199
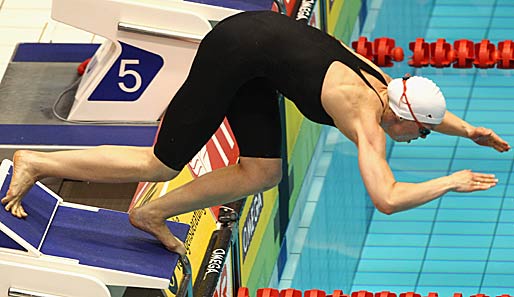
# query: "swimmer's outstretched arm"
453,125
390,196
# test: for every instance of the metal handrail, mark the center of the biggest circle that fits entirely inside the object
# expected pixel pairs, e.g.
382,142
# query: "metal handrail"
158,32
186,286
14,292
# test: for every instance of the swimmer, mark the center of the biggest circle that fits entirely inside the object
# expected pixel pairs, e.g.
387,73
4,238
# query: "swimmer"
239,68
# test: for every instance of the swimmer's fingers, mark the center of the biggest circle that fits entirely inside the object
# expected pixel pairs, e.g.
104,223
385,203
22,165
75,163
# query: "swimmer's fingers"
502,146
469,181
487,137
497,143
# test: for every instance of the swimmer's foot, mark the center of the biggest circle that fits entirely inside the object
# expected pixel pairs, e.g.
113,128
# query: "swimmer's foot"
23,178
143,219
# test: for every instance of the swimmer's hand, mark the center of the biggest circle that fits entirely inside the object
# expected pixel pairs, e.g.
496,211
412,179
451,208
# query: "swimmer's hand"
487,137
469,181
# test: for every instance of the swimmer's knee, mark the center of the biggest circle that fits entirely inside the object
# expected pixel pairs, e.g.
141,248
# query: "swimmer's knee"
158,171
274,176
266,171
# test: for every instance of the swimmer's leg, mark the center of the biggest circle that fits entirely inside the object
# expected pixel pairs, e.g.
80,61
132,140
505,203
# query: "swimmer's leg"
111,164
249,176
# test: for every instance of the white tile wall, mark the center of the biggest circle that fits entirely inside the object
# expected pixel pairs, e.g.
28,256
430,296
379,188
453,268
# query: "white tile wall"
29,21
27,4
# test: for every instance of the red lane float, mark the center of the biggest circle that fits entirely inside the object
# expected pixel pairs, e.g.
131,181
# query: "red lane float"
464,53
381,51
270,292
439,54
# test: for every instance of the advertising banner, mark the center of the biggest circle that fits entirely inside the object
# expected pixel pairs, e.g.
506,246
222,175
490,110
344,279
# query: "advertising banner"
258,239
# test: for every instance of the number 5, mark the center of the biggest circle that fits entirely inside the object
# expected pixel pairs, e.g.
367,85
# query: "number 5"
123,72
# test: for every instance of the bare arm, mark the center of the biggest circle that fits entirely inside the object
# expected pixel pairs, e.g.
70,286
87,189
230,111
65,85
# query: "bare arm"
357,116
453,125
389,195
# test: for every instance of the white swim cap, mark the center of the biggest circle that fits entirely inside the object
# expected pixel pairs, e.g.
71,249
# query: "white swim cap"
425,97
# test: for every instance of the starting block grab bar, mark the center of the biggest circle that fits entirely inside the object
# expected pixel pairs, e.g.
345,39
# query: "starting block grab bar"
157,32
186,286
13,292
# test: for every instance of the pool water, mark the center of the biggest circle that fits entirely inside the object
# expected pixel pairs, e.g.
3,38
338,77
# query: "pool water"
462,242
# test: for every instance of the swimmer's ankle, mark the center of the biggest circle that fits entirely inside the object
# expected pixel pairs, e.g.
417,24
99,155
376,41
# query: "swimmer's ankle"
27,161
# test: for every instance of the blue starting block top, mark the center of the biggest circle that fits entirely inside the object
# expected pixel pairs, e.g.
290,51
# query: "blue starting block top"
39,203
99,238
106,239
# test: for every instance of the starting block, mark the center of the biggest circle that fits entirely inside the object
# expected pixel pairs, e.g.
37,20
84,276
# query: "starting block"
64,249
149,48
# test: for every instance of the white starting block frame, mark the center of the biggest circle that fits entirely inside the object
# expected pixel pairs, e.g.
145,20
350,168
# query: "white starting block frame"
47,276
26,271
149,48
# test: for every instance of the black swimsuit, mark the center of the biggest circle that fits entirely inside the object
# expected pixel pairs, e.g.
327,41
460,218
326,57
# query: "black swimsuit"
238,69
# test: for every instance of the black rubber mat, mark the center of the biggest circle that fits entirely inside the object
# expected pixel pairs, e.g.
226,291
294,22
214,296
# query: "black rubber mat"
29,90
